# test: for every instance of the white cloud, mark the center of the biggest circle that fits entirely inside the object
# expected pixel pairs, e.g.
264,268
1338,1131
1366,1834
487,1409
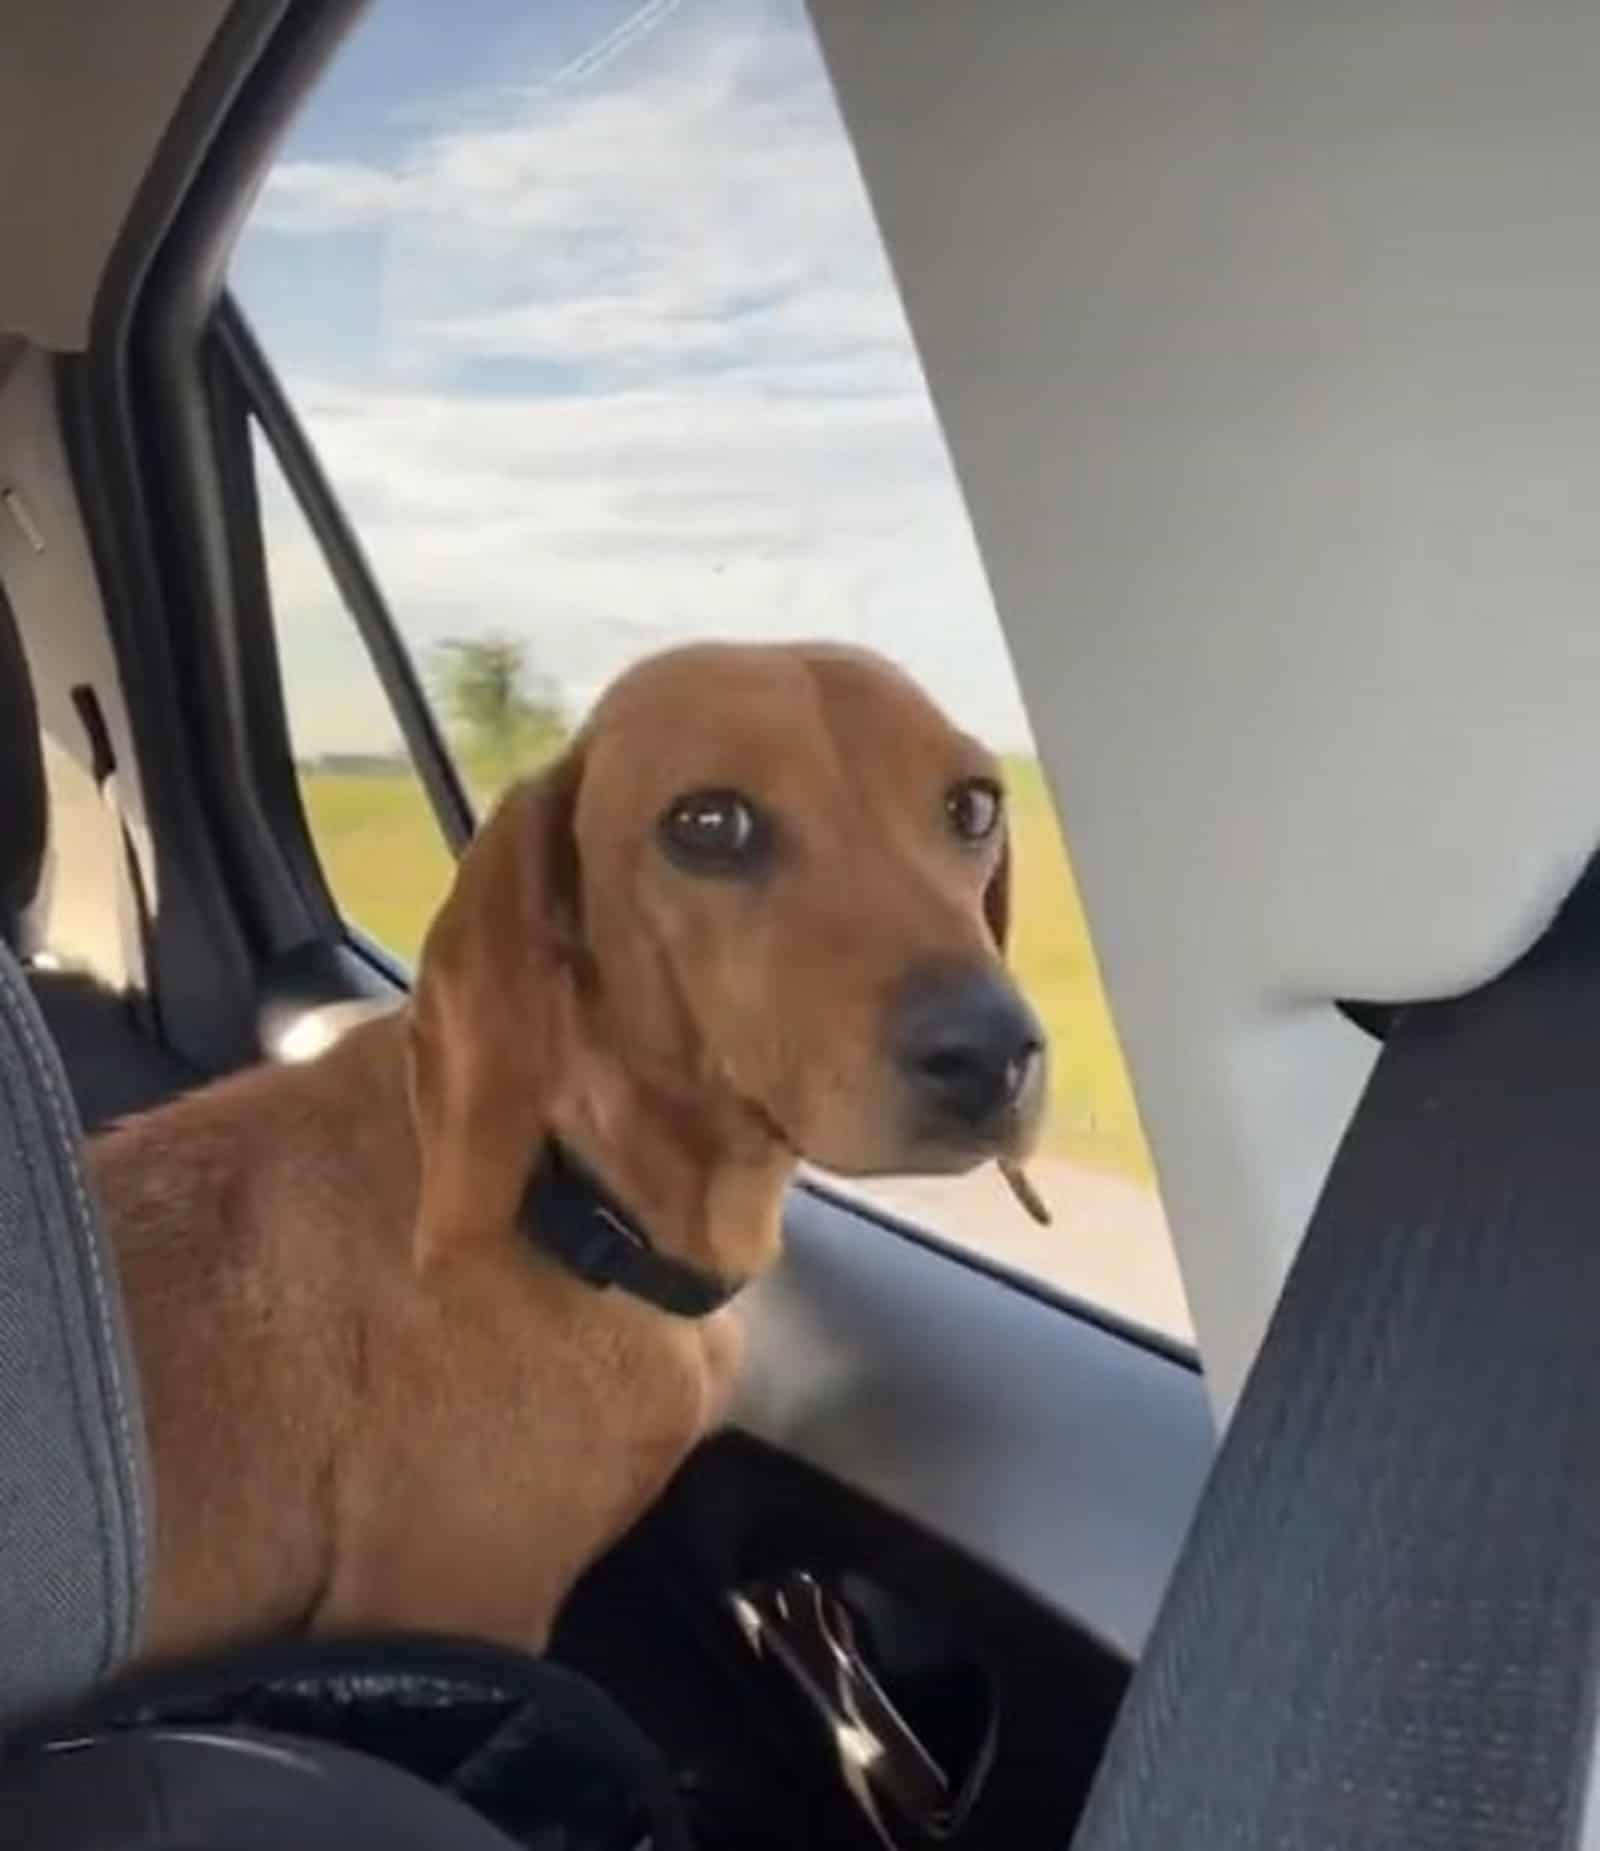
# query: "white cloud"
325,196
705,417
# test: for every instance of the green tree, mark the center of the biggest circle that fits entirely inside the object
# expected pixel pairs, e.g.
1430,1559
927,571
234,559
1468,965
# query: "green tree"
501,716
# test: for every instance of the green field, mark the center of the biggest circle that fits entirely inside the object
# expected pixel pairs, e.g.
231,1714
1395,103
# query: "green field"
389,871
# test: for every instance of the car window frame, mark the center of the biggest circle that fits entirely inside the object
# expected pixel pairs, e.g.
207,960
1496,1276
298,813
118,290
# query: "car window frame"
248,398
348,566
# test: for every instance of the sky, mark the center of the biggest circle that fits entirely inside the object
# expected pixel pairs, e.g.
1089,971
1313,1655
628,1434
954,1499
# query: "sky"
585,310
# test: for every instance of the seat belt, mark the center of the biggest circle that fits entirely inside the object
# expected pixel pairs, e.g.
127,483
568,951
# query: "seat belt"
133,903
1381,1634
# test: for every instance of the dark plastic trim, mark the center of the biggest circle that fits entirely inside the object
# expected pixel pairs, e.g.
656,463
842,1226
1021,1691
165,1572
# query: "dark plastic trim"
1157,1342
1374,1019
1059,1453
202,450
159,551
286,876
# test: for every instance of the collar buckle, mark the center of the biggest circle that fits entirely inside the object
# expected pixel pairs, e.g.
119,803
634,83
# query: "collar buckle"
599,1248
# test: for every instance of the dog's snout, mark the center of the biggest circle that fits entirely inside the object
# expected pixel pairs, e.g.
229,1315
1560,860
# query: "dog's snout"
969,1045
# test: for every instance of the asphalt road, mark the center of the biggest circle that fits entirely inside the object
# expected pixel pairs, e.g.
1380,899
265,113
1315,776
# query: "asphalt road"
1107,1241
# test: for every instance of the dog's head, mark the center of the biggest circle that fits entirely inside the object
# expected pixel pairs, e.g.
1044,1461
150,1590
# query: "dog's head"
766,891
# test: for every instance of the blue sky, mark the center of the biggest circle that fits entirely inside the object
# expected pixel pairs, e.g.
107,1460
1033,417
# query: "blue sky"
585,309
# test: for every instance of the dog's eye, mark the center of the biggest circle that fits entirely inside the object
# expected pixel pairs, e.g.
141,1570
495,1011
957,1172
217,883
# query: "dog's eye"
713,832
973,808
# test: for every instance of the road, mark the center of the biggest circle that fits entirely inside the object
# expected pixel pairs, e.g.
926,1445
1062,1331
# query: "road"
1107,1241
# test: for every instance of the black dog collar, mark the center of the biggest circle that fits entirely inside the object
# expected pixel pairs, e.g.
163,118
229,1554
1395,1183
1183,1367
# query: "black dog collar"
567,1214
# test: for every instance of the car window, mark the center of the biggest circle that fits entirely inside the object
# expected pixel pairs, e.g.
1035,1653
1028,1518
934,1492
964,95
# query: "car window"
586,315
382,853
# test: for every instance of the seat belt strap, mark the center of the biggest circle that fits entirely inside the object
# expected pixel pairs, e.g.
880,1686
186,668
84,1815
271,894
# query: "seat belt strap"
132,899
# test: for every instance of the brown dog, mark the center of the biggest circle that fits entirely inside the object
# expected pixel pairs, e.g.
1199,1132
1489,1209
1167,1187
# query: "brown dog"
754,913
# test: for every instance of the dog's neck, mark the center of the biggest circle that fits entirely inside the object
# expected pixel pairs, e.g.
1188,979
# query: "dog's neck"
705,1186
702,1175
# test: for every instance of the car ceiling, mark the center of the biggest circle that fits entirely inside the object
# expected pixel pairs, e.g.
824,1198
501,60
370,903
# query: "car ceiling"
86,91
1262,339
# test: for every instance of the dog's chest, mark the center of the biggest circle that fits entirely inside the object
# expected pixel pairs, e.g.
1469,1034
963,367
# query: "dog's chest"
505,1445
650,1387
587,1410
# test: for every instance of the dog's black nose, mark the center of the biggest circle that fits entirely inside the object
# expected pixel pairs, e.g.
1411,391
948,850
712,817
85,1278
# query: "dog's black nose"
969,1045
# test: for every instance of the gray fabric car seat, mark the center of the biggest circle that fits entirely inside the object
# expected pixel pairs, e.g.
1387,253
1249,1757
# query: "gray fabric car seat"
74,1479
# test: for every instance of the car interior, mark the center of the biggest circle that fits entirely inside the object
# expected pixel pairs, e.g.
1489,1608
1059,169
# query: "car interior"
1261,342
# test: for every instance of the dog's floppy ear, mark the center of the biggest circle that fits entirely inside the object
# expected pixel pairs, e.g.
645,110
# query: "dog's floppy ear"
997,898
488,1014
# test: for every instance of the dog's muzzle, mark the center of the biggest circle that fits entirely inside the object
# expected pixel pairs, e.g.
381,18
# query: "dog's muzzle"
972,1053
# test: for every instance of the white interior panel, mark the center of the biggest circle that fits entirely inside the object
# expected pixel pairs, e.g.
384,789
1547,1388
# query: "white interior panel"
1264,337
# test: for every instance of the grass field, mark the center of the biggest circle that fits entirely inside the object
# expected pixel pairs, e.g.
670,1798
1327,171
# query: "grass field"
389,871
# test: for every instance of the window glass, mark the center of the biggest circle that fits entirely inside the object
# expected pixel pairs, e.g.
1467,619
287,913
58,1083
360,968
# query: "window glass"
586,314
370,820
